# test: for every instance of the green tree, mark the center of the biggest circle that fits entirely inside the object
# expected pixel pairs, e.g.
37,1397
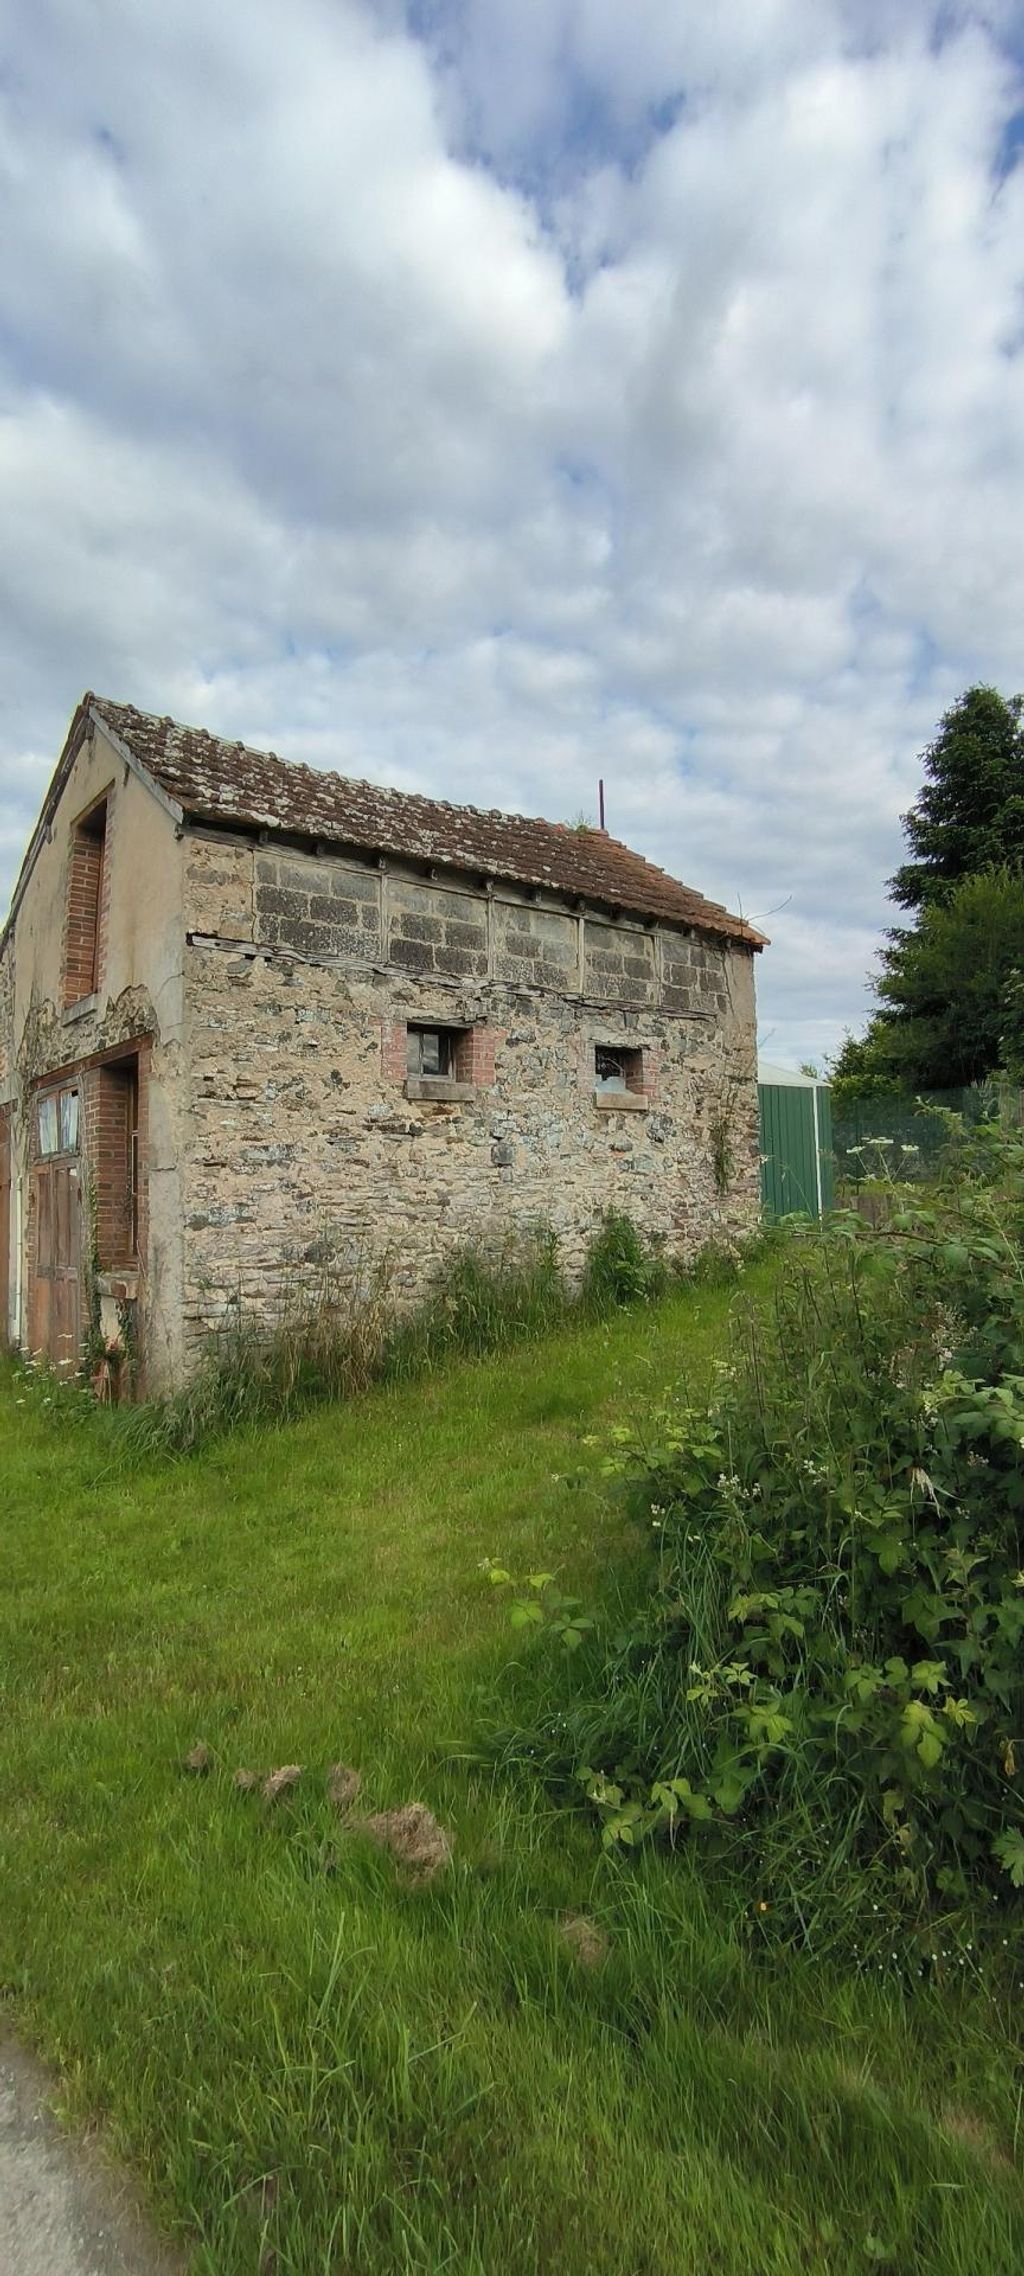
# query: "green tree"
860,1069
945,986
1012,1039
970,814
949,1013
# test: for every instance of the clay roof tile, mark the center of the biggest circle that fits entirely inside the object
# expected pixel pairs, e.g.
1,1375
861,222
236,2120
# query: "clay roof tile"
225,782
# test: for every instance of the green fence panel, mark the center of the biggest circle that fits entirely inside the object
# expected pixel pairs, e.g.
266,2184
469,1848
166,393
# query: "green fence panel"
789,1154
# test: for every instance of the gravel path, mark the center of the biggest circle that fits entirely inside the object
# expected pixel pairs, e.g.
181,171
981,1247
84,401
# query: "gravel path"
63,2210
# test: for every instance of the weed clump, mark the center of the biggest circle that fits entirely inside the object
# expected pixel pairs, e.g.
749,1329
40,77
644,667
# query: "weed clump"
582,1936
825,1676
338,1330
281,1781
621,1267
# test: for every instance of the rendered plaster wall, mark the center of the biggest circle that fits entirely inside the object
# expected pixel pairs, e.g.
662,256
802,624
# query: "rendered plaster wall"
140,993
302,1145
6,1023
8,1192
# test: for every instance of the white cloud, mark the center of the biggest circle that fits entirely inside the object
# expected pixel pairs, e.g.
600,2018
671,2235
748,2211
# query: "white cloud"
568,391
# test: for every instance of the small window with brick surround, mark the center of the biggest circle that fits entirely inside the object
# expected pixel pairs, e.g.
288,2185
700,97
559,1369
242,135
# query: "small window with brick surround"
438,1062
434,1051
617,1068
85,901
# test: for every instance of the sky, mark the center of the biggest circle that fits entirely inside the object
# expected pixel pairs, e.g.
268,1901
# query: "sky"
490,396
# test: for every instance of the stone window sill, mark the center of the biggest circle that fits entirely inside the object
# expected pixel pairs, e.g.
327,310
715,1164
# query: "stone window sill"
621,1102
439,1087
81,1010
120,1283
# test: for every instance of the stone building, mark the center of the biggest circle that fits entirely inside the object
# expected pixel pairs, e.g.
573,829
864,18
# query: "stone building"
253,1015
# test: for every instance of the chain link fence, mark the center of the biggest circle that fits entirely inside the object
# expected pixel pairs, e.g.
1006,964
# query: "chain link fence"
905,1138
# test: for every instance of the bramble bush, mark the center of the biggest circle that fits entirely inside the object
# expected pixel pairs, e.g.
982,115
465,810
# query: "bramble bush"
826,1671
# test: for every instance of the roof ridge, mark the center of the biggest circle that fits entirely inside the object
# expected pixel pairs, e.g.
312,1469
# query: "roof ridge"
351,781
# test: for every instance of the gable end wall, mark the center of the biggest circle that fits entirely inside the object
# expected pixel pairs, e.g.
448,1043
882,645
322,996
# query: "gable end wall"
47,1029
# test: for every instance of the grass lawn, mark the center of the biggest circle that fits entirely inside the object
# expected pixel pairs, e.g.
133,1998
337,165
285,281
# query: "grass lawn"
318,2067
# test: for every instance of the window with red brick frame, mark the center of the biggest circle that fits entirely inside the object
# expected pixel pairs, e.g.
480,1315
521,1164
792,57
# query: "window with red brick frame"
618,1067
422,1050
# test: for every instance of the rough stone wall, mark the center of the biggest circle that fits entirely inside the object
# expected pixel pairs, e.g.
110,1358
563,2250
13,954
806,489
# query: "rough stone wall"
537,949
302,1143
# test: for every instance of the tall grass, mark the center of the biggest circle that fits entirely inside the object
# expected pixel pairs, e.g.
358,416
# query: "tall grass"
320,2070
342,1329
482,1303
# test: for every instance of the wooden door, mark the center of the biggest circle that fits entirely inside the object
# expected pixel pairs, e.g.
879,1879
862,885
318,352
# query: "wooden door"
55,1321
5,1226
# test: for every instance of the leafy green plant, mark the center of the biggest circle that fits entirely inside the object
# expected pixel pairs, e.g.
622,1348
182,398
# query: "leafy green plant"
721,1263
828,1670
543,1604
621,1267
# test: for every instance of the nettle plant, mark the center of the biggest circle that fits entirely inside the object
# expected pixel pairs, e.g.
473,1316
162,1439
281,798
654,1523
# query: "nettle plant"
828,1664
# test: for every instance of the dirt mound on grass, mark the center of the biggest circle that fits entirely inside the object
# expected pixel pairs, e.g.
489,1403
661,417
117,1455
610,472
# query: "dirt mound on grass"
281,1781
343,1785
966,2127
585,1940
413,1837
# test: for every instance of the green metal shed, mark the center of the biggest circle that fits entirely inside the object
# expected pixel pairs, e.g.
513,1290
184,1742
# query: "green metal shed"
796,1142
